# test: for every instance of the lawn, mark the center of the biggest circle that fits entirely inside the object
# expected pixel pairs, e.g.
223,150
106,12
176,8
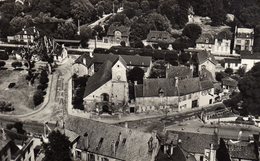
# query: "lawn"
21,95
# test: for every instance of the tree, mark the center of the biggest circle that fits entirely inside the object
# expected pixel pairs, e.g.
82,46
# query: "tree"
158,22
58,148
16,64
222,152
66,30
229,71
192,31
136,74
158,70
241,71
184,57
4,56
38,97
249,90
2,64
220,76
83,11
44,80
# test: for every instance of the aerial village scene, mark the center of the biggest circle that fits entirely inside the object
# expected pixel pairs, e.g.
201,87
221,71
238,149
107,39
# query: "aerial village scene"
129,80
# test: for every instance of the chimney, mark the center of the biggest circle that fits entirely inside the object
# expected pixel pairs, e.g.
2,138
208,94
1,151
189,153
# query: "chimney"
126,125
85,141
84,61
91,54
168,65
3,134
176,81
135,82
113,147
34,29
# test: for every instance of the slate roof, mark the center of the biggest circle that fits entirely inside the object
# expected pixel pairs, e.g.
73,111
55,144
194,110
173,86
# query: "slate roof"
230,60
249,55
205,38
85,56
187,86
159,36
229,82
103,75
151,87
132,145
125,31
203,56
131,60
192,142
178,71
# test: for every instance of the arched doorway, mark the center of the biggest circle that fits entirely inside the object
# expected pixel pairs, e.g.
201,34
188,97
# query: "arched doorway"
105,97
105,109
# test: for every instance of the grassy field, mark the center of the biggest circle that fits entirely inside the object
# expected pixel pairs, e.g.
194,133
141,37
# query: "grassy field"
21,95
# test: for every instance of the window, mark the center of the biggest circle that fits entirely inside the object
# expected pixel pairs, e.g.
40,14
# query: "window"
104,159
201,158
236,64
189,96
210,101
91,157
238,41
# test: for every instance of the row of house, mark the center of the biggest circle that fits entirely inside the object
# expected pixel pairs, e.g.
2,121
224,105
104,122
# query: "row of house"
108,88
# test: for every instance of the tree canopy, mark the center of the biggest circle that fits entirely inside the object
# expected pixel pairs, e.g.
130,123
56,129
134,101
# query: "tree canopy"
58,147
250,90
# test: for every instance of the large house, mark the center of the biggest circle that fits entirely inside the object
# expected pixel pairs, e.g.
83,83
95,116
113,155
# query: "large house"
244,40
115,35
104,142
173,94
107,88
27,35
155,37
87,65
201,60
248,60
12,151
233,63
218,45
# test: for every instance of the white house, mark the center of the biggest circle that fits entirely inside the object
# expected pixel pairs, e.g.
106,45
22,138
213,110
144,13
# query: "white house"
233,63
248,60
244,40
173,94
27,35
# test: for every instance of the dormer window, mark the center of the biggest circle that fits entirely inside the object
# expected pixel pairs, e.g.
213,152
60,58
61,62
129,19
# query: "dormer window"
161,92
207,40
118,35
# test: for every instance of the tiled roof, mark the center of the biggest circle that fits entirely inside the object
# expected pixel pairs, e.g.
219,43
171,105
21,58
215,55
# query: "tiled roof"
187,86
203,56
249,55
151,87
234,60
103,75
206,84
178,71
192,142
131,60
132,144
160,36
85,56
205,38
229,82
179,154
125,31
